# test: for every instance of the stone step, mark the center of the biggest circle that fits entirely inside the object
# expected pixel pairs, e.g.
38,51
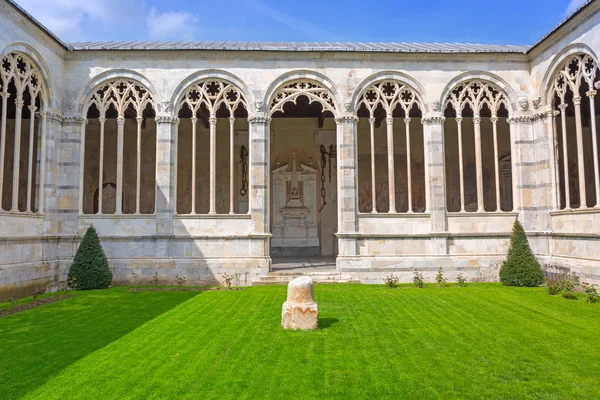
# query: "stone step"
277,278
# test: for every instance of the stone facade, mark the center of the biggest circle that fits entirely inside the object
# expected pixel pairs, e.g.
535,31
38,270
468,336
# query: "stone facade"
228,232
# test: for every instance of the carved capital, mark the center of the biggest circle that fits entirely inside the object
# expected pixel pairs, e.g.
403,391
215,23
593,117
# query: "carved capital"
577,100
389,120
231,120
5,95
194,120
494,119
56,117
563,106
212,120
372,120
139,120
72,119
102,120
346,119
19,102
120,120
433,120
591,93
259,120
477,119
459,120
407,120
165,119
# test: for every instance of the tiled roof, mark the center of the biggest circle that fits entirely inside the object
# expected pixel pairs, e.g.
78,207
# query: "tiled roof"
392,47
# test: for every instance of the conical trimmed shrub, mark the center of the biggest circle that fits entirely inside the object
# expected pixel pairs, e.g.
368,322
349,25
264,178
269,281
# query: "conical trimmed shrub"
521,268
89,269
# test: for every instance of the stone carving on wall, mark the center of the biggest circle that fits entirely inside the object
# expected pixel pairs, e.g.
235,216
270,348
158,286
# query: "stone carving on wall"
303,87
390,94
476,94
121,94
523,104
212,93
537,102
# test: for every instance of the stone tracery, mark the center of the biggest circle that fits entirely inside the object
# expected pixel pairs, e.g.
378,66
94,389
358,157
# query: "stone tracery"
21,79
118,99
302,87
204,99
476,99
575,78
389,95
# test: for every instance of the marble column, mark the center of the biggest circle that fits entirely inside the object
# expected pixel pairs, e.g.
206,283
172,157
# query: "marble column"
408,165
494,121
213,164
373,184
591,94
580,156
194,155
165,173
433,132
138,175
231,166
478,162
30,160
347,184
563,120
389,121
259,125
120,149
17,153
461,173
5,96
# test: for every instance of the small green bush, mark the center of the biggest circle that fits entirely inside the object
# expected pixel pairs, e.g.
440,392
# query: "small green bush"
419,281
461,280
89,269
440,278
591,292
521,268
392,281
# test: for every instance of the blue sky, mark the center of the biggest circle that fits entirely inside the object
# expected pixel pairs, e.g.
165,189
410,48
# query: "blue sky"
518,22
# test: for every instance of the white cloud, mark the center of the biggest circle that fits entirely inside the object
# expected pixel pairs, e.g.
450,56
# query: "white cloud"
171,25
574,5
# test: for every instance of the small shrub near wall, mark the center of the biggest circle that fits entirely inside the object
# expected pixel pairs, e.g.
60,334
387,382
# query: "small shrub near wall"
521,268
89,269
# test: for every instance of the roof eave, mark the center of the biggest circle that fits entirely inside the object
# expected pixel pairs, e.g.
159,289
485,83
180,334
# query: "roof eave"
39,25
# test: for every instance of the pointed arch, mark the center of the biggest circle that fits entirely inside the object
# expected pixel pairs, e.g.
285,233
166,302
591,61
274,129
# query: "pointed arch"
406,81
484,79
291,85
228,79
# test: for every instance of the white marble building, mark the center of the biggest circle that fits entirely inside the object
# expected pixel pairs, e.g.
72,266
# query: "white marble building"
170,149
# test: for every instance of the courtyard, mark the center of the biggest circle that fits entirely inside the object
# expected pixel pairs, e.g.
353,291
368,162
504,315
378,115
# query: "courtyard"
483,341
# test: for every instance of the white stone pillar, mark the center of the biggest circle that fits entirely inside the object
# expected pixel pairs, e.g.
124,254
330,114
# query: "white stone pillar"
194,133
550,123
120,140
166,124
30,183
389,121
231,166
460,164
494,120
138,176
563,120
433,137
5,96
512,129
347,184
213,164
17,153
102,120
81,165
259,125
408,164
42,172
478,162
580,159
591,94
373,185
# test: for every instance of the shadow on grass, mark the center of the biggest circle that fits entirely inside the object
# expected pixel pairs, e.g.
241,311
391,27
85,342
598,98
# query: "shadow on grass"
325,323
39,343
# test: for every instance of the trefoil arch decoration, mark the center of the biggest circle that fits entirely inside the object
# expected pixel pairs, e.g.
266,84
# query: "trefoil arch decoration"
574,79
21,82
313,90
390,94
479,96
123,98
209,96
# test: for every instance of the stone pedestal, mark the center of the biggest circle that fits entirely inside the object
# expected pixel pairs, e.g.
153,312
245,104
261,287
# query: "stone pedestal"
300,311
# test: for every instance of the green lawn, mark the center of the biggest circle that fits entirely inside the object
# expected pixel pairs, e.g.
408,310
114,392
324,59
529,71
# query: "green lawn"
485,341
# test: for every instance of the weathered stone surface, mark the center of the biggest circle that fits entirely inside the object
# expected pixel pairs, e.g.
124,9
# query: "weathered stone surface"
300,311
